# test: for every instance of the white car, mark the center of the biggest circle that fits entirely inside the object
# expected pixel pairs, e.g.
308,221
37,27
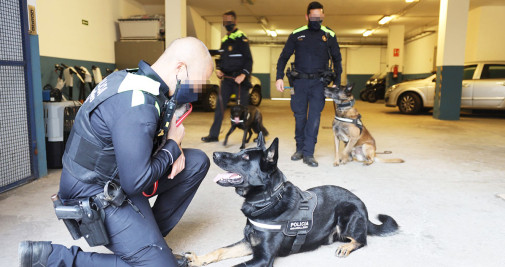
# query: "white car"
483,88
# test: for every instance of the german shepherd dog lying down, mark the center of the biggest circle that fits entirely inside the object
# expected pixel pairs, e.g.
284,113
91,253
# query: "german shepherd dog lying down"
248,119
282,219
348,128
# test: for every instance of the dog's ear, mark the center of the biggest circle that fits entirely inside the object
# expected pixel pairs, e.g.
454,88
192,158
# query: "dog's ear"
261,141
349,87
272,152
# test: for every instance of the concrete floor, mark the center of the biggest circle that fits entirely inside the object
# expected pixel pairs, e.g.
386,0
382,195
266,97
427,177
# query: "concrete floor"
446,196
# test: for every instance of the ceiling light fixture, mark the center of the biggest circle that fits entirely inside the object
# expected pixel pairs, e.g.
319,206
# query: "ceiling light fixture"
272,33
386,19
368,32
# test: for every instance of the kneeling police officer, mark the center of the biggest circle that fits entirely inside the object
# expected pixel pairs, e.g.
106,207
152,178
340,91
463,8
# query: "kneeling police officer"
109,163
314,46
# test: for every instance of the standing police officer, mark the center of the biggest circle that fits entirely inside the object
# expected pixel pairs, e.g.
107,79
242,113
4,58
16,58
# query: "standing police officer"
234,68
312,44
112,143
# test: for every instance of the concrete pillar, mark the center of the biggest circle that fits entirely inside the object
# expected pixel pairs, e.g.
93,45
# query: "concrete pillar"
450,58
484,41
395,53
175,20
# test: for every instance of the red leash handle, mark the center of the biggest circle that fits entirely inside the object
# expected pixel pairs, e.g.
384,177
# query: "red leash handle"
180,119
177,124
154,190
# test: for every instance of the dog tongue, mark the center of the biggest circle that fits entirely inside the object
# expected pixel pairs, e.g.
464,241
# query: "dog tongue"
236,119
226,175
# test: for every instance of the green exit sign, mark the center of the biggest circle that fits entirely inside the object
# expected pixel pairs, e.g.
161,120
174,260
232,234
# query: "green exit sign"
84,22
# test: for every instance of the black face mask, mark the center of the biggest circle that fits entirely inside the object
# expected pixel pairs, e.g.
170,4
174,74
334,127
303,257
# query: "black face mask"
229,27
315,24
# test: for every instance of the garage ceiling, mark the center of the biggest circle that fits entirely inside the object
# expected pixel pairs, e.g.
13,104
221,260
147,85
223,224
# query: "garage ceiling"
348,18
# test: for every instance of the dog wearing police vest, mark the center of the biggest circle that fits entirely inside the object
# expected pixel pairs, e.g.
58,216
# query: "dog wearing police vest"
348,128
248,119
282,219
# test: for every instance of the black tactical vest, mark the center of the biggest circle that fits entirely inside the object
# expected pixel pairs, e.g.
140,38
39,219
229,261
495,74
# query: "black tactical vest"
86,157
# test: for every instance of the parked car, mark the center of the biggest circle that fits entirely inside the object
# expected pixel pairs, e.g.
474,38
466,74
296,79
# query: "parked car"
374,89
483,87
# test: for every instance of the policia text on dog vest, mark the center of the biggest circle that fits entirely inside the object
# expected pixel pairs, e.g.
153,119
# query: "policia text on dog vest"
299,221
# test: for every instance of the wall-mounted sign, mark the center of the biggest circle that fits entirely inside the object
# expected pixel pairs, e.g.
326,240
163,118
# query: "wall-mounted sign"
396,52
32,21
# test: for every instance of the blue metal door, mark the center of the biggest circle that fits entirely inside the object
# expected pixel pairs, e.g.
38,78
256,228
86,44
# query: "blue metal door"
17,141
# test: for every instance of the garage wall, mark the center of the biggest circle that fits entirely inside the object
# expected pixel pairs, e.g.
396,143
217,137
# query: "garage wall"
262,66
64,39
361,63
419,61
485,38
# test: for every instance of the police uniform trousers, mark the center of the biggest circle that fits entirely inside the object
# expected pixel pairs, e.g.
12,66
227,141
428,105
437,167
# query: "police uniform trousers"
228,87
307,104
137,240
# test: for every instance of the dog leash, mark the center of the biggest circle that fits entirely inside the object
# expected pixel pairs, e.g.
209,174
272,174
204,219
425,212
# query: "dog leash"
177,124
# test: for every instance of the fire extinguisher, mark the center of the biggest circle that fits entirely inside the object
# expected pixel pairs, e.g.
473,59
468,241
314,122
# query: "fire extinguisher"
395,71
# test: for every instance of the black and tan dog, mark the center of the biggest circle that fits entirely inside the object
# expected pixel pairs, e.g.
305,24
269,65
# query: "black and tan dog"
348,128
282,219
248,119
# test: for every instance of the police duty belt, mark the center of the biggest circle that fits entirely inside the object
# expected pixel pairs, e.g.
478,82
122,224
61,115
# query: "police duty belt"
299,220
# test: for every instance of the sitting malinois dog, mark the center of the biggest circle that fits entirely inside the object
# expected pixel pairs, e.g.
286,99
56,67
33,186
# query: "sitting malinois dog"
248,119
282,219
348,128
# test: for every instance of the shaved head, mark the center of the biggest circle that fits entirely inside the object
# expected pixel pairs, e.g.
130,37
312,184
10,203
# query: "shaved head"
186,59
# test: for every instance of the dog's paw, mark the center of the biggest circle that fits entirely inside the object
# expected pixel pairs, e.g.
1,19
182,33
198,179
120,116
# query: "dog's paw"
242,146
193,260
344,250
336,163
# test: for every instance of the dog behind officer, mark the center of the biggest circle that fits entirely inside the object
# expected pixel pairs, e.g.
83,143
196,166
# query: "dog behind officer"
109,162
314,45
234,69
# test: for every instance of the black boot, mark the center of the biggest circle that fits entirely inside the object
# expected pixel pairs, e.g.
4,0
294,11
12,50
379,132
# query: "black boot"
297,156
34,253
208,139
311,161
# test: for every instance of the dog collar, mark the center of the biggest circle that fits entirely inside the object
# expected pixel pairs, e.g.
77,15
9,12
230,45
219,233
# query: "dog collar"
346,104
272,200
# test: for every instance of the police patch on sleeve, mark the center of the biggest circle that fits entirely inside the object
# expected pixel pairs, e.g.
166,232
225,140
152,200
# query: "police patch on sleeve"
324,38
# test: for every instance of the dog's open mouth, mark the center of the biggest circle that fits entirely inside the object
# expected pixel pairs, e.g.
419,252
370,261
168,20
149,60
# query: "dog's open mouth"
228,178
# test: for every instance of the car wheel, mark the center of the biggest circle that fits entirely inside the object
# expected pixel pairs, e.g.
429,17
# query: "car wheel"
372,96
255,96
363,95
409,103
210,99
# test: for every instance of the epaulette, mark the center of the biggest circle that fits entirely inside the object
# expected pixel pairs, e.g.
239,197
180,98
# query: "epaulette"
303,28
328,30
235,35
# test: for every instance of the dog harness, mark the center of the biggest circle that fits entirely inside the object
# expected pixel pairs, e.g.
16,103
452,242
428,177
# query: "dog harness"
299,220
356,121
